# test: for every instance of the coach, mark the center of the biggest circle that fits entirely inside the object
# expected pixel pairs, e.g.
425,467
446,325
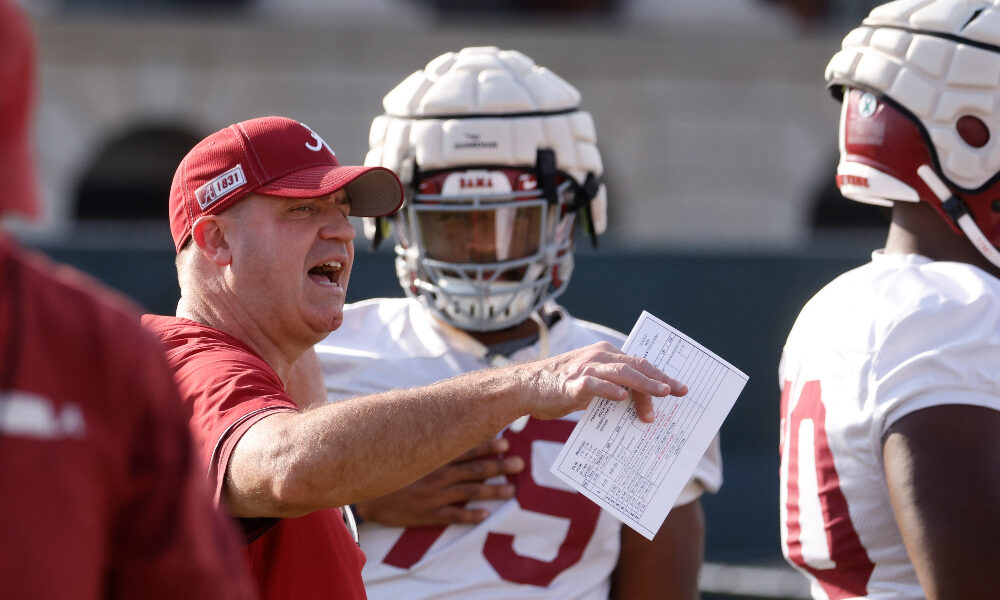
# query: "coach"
258,213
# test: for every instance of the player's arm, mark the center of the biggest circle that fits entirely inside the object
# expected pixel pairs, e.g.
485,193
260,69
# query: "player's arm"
291,463
942,468
439,498
667,567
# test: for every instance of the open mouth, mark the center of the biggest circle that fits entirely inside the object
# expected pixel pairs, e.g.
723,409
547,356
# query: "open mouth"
326,273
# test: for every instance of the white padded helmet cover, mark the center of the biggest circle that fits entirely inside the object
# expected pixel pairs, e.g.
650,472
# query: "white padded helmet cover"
929,56
485,106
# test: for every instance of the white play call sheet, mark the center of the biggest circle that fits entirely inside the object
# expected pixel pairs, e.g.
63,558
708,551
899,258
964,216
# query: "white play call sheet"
636,470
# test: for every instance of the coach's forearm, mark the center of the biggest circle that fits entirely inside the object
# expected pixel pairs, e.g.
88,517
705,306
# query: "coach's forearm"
290,464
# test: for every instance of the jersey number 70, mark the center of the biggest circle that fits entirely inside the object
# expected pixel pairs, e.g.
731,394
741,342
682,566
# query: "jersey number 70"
846,572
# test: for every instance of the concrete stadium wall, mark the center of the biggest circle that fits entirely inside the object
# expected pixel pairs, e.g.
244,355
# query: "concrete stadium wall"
713,134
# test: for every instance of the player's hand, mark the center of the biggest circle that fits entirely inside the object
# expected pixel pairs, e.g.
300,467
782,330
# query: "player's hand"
565,383
439,498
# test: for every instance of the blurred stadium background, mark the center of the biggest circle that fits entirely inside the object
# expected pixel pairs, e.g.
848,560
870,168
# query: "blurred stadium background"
718,137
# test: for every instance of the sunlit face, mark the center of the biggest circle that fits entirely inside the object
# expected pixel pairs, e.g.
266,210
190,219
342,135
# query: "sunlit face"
291,262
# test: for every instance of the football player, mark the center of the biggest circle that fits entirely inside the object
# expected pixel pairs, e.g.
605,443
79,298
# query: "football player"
500,164
890,398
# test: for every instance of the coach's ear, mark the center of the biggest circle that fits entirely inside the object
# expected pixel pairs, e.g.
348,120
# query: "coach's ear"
208,233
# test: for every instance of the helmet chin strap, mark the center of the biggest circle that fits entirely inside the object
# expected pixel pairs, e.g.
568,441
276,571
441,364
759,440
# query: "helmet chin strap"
960,214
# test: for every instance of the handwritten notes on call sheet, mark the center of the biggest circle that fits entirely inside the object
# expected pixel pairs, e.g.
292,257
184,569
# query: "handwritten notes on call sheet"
637,470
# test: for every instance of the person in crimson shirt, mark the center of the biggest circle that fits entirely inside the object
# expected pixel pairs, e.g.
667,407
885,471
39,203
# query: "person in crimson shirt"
258,214
101,496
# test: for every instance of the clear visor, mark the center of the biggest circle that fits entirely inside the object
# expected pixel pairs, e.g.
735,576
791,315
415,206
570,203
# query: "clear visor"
468,236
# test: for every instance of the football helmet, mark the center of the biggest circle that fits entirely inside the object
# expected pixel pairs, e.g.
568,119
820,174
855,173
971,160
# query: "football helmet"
498,161
920,120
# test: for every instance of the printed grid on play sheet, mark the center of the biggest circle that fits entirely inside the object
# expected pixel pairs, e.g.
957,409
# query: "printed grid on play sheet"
637,470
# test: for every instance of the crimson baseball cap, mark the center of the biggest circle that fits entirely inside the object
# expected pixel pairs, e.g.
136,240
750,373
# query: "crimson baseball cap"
17,99
274,156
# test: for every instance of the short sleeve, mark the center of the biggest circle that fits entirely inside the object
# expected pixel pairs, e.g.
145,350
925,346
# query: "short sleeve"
228,395
944,352
225,387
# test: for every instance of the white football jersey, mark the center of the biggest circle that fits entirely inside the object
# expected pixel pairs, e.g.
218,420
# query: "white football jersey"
889,338
547,542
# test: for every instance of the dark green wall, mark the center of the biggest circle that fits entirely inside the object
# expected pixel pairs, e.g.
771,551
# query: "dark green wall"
739,305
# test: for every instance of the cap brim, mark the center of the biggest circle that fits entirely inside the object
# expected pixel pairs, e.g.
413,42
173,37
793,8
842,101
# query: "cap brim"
374,191
17,171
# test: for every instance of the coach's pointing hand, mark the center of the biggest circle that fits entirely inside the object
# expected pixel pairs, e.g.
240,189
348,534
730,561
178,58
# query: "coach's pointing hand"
562,384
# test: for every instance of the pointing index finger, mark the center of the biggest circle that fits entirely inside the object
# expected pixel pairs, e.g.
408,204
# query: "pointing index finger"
676,388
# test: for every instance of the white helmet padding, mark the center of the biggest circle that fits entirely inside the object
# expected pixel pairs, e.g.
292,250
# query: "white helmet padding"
937,63
492,113
484,106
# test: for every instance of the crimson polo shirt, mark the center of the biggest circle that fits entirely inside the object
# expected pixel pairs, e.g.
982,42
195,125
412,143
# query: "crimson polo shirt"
227,388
